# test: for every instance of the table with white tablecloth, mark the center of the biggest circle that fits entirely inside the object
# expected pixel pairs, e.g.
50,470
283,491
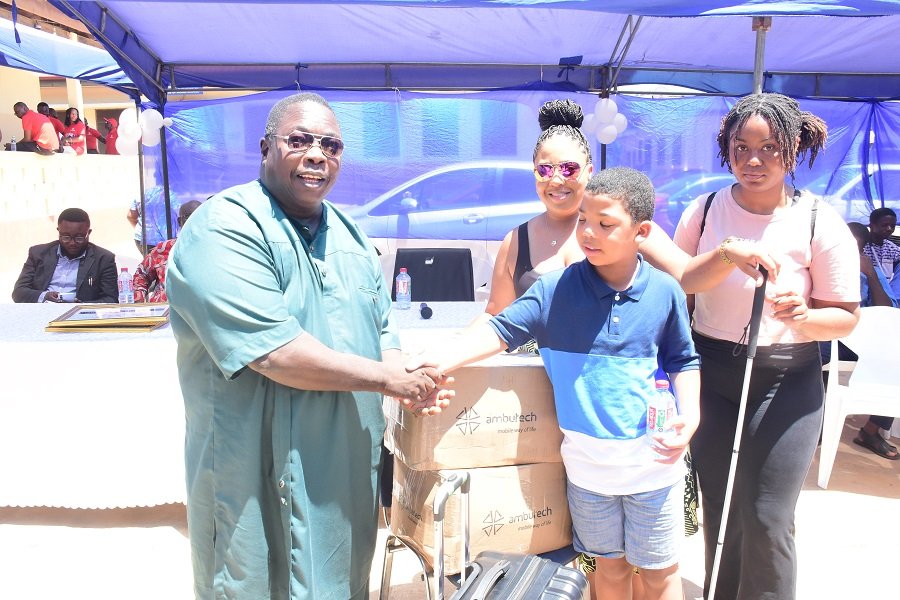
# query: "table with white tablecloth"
89,420
96,420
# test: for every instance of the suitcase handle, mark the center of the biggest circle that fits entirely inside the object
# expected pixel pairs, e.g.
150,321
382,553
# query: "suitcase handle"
474,572
490,579
456,481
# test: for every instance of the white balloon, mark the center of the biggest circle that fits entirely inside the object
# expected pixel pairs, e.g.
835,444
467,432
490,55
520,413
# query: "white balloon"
150,137
605,110
167,122
588,124
151,119
620,122
129,115
129,131
127,147
607,134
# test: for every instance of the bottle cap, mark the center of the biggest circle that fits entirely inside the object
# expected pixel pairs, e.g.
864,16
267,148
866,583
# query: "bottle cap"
403,269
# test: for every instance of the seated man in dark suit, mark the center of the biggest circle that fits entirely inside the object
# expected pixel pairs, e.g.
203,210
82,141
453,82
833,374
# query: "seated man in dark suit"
69,270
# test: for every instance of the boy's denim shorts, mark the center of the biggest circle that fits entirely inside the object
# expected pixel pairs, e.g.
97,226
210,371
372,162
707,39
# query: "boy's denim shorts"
646,528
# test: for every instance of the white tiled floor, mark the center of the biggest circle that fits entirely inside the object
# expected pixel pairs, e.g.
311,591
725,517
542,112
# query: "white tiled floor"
847,538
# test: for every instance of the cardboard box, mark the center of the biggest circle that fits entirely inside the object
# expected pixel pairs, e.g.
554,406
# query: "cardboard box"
503,414
520,509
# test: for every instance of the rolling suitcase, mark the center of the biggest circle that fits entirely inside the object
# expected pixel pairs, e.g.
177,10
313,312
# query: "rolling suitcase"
498,575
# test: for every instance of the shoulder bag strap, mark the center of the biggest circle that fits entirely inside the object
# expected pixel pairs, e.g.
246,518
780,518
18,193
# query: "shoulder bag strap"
709,202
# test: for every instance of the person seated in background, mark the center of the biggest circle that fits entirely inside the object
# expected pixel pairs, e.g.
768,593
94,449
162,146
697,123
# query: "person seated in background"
48,112
38,134
874,291
880,249
112,134
71,269
75,135
155,209
91,137
150,277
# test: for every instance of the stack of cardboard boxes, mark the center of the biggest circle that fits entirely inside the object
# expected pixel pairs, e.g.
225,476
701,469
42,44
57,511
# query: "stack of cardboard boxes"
501,427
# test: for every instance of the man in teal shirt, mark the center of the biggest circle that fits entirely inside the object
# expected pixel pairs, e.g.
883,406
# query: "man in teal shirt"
285,345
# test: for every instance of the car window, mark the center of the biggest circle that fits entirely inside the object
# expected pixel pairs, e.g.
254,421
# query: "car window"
516,185
460,189
463,188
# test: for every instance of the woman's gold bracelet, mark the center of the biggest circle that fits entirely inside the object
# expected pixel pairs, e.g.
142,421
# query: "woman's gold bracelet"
722,254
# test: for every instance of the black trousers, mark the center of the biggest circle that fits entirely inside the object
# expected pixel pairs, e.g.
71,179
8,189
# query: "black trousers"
781,430
28,147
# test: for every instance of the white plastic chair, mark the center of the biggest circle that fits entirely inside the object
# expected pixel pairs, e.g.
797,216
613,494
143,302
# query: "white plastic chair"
874,384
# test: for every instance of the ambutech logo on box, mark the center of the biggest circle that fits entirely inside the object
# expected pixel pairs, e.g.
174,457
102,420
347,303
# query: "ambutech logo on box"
494,520
468,420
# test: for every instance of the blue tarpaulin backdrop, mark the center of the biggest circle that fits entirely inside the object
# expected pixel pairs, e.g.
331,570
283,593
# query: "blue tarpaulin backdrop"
392,137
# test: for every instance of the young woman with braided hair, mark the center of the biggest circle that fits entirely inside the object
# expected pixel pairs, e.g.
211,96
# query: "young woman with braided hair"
812,294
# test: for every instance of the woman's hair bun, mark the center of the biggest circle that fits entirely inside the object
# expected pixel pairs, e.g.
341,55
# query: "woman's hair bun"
560,112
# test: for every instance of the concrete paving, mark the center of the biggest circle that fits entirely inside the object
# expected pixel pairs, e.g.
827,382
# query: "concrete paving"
847,538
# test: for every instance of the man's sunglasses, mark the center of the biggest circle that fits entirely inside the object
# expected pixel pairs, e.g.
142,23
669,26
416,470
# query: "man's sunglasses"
569,170
303,141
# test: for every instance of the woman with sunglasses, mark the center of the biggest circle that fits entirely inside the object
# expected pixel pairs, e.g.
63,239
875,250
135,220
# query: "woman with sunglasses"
562,167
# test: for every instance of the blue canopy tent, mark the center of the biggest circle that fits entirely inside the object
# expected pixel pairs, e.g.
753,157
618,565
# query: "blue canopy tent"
43,52
814,49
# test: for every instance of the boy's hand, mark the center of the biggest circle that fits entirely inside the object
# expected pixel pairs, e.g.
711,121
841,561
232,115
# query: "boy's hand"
670,446
434,404
438,399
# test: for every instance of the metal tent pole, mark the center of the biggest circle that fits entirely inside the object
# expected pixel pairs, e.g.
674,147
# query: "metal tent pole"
761,26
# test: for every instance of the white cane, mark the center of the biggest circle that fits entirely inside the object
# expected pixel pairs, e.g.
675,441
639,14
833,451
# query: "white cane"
752,335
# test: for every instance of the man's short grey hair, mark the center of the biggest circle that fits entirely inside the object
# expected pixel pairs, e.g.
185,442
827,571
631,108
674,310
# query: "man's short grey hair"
281,107
629,186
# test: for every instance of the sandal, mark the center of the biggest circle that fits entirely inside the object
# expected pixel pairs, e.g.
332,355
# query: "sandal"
876,444
887,443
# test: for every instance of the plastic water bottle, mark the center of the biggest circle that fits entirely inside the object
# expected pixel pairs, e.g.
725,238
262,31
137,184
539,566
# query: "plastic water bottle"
403,290
12,144
659,411
126,288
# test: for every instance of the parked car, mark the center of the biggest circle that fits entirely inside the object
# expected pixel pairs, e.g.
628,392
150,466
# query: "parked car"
675,195
850,200
469,204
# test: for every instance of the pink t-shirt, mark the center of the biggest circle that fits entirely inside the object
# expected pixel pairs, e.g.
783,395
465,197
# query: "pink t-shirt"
826,269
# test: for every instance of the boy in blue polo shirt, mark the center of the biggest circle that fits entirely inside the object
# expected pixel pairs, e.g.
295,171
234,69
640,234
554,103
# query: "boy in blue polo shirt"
603,327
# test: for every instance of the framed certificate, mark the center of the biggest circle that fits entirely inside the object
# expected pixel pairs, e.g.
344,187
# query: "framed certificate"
112,317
